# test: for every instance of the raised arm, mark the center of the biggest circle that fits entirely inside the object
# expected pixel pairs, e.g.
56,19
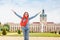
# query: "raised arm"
17,14
34,16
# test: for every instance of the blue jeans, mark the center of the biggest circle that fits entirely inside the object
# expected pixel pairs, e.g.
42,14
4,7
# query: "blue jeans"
25,31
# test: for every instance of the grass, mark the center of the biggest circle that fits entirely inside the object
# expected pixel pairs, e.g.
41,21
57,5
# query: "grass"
44,35
32,34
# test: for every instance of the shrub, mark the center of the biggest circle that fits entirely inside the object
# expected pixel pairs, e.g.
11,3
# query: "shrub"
30,31
59,32
19,32
4,32
55,32
51,32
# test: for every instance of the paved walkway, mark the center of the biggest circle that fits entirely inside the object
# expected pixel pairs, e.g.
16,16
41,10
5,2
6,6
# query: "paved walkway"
31,38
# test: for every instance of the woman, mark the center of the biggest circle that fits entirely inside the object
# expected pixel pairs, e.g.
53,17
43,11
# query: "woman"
25,23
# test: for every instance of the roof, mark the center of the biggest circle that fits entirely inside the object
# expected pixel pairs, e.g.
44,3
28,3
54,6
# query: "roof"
50,22
10,23
36,22
39,22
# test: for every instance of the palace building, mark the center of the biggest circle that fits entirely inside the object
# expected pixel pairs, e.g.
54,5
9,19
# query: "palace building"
42,26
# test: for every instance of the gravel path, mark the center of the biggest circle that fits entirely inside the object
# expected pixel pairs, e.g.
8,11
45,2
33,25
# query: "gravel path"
31,38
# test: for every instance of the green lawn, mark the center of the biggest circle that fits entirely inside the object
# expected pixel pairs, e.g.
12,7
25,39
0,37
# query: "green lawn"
33,34
44,35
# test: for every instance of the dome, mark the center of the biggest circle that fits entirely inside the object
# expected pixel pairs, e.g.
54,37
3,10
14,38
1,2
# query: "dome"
43,14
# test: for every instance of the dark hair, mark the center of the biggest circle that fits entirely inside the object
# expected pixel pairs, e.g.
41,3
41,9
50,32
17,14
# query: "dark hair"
27,14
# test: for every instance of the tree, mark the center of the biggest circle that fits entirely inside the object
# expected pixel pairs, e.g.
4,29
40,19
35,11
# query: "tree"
1,27
0,23
7,27
19,32
4,31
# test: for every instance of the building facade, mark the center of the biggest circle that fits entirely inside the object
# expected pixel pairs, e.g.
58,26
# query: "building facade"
42,26
14,27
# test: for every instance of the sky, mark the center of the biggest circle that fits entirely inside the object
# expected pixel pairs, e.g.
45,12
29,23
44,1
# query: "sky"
51,7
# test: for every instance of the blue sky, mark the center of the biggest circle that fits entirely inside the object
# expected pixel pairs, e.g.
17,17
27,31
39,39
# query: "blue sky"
51,7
